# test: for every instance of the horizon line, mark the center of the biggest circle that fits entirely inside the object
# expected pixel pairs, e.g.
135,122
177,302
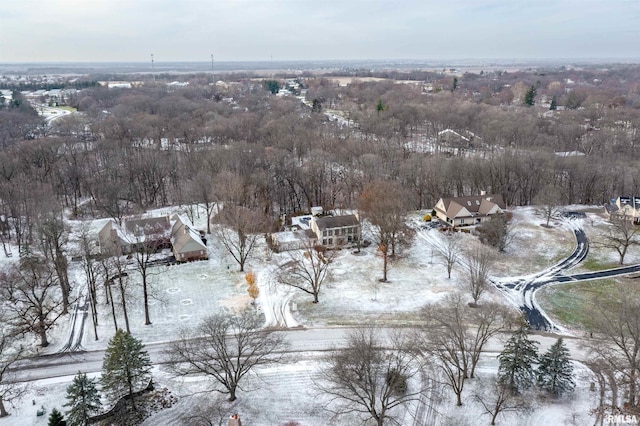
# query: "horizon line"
156,61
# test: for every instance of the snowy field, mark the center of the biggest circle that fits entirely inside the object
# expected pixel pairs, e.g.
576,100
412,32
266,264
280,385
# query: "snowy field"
287,393
184,294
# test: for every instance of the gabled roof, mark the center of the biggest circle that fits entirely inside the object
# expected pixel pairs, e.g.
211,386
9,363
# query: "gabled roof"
107,232
330,222
453,132
147,225
184,238
472,206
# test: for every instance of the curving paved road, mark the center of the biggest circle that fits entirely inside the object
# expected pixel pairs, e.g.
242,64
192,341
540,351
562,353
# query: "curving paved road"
524,289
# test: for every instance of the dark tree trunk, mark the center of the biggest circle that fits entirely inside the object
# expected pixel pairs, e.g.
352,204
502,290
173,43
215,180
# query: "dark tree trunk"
3,411
42,332
113,305
123,298
147,319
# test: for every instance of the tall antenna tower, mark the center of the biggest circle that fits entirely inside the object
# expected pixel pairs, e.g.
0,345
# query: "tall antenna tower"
153,69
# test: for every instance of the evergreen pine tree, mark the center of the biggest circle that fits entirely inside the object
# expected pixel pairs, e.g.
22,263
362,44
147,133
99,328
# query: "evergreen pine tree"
56,418
126,367
530,96
25,251
555,372
83,400
316,106
554,104
517,359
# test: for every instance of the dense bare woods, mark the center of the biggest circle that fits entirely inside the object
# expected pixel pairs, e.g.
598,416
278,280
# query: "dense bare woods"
155,145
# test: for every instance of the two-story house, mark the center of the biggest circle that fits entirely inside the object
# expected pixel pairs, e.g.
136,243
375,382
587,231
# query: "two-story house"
337,231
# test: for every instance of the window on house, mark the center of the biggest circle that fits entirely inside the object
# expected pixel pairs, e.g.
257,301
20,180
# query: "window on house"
330,241
324,241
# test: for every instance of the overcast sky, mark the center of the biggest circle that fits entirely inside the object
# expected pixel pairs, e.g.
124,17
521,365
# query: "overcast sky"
256,30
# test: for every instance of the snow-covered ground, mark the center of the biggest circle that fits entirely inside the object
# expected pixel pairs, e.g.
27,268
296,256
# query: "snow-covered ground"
184,294
287,393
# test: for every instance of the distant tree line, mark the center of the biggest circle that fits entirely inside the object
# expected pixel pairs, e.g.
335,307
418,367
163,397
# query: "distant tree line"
33,85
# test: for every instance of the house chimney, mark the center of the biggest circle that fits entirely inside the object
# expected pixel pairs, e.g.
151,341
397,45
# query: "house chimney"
234,420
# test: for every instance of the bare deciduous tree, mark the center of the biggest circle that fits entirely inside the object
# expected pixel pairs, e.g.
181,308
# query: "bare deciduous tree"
53,239
88,251
455,334
486,322
445,341
145,243
308,269
238,230
10,390
479,264
498,398
621,235
450,251
204,194
616,339
114,268
385,204
548,201
226,348
29,289
372,378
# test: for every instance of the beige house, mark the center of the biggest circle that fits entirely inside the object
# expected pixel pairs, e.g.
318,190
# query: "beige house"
468,211
156,233
112,241
186,243
337,231
627,208
135,233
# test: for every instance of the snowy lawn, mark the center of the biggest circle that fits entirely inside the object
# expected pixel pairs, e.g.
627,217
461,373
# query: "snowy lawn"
287,393
570,303
184,294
